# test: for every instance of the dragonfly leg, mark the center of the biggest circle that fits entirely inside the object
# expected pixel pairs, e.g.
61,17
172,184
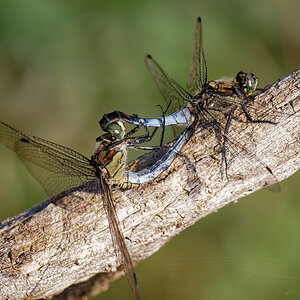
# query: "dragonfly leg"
131,141
251,120
164,122
132,131
142,138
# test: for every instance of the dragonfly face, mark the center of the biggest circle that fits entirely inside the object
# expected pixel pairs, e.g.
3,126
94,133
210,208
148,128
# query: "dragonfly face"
117,131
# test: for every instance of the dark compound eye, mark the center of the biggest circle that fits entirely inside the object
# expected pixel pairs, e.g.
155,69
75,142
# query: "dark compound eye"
241,78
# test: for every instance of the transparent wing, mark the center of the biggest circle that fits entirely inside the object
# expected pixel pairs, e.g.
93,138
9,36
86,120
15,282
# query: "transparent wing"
117,237
176,96
235,149
58,168
198,71
55,167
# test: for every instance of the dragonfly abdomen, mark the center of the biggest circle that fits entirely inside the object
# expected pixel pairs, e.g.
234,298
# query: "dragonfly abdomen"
134,179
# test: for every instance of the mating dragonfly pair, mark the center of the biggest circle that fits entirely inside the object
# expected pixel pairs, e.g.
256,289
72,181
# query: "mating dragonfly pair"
58,168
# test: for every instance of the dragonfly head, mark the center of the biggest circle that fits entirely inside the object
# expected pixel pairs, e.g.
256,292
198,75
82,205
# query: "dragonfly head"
247,82
117,130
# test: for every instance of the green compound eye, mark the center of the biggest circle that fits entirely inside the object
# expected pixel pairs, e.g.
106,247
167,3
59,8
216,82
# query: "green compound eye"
251,83
247,82
117,130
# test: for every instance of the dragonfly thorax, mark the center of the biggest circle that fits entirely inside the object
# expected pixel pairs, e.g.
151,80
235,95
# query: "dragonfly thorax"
221,86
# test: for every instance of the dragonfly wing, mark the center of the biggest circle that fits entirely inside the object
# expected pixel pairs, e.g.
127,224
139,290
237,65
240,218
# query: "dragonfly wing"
176,96
55,167
236,150
117,236
198,70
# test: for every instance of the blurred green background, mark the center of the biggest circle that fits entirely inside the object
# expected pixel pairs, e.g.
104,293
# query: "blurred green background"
65,63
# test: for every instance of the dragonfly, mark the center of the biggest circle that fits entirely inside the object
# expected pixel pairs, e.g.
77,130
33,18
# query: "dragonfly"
202,103
202,95
58,168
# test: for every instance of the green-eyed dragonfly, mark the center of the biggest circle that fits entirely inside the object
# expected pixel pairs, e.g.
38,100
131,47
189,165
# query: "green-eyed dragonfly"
58,168
202,104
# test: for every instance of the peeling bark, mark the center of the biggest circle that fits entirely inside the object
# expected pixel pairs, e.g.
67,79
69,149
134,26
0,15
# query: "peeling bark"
63,247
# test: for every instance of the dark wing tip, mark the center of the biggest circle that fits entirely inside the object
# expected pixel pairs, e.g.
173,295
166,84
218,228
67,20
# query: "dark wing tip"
199,19
148,56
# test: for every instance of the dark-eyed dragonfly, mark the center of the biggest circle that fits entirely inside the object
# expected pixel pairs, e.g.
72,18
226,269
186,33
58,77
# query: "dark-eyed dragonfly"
58,168
202,104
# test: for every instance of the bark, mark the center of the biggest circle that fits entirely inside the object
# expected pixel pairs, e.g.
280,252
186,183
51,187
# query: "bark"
63,247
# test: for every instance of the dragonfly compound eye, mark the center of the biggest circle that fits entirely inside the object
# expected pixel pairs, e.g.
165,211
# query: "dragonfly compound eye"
246,82
251,83
117,130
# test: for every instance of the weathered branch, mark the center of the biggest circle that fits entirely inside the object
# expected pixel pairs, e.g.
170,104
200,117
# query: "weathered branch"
65,241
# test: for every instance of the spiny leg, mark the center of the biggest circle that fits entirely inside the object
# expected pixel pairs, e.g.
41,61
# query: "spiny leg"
251,120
